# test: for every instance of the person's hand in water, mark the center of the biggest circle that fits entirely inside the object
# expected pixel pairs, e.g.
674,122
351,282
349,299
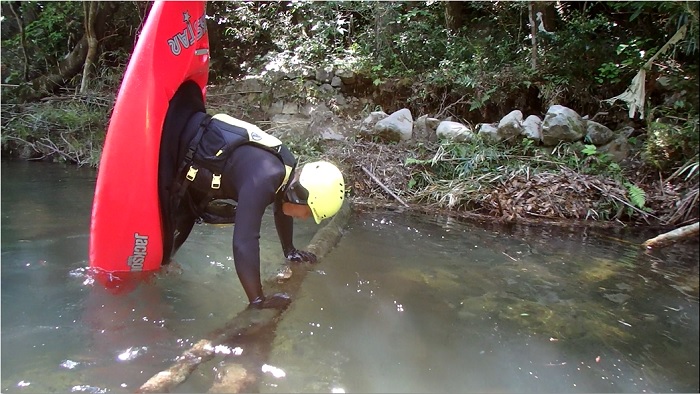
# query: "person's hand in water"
276,301
300,255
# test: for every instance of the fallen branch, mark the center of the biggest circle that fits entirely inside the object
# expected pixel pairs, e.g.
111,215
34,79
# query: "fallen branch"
386,189
250,324
672,236
444,110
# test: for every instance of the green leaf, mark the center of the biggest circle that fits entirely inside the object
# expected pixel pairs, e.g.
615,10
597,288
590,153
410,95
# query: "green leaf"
636,194
589,150
411,184
411,160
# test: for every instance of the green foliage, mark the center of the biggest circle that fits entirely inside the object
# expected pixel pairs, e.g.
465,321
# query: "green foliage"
461,175
52,31
671,141
608,72
637,196
630,58
598,163
528,146
589,150
48,37
240,35
68,131
304,148
457,172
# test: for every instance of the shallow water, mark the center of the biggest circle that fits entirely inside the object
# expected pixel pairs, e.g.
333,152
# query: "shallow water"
404,303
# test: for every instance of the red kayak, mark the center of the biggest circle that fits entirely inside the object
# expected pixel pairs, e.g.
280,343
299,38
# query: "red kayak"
126,233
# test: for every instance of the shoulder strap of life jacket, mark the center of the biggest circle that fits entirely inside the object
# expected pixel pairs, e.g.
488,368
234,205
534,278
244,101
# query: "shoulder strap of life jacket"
290,164
180,186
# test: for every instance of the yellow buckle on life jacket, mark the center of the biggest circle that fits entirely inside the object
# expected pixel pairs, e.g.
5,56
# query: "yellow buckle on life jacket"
215,181
191,173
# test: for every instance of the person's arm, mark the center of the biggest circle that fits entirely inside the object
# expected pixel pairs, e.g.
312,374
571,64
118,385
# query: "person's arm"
253,198
246,241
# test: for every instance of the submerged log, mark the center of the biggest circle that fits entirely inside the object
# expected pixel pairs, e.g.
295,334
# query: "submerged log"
248,323
673,236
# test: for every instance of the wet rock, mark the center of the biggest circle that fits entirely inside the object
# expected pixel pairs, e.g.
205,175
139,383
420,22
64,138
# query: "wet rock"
618,298
284,273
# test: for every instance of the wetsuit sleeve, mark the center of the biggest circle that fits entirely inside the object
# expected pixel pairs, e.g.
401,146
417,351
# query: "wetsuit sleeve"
255,193
246,239
285,228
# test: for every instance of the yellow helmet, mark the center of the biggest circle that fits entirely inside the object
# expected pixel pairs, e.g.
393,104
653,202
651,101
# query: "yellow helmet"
326,187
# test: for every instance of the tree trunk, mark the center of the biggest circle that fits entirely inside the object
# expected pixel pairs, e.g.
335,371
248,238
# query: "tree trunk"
90,8
69,67
453,15
74,62
533,34
23,44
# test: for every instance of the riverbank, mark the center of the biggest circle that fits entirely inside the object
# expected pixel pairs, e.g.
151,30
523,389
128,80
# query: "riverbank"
513,184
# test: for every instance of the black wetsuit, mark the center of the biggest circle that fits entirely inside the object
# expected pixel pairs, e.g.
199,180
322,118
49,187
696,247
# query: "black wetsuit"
251,177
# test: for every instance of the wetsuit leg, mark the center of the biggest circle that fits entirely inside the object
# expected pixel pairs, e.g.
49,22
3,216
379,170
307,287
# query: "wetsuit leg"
184,221
220,211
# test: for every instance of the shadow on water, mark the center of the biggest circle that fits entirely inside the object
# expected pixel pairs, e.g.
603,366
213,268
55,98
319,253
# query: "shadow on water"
405,303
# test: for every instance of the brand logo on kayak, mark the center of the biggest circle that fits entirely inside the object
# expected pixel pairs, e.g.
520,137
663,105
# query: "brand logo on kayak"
136,260
193,31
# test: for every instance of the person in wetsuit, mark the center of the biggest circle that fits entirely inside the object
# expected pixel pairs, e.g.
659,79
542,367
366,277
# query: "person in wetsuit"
253,175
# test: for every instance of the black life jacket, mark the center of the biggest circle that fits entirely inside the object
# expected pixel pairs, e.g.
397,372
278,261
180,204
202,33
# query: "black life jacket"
217,138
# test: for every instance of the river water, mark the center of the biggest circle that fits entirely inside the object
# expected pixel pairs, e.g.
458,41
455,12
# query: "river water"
404,303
